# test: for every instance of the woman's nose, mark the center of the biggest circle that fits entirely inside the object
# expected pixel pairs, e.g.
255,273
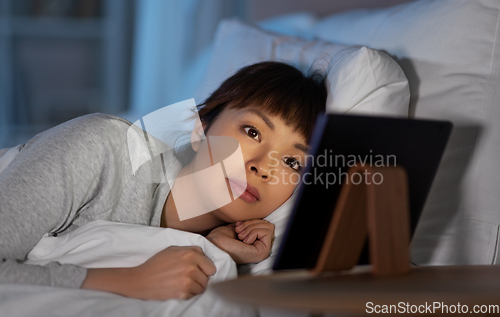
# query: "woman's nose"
262,172
261,163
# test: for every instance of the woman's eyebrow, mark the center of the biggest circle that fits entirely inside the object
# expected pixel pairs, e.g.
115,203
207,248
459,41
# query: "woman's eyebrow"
301,147
270,124
265,118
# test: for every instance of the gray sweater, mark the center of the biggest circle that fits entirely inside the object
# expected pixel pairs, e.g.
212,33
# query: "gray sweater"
66,177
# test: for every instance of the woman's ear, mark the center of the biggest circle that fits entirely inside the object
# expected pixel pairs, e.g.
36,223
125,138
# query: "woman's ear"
197,135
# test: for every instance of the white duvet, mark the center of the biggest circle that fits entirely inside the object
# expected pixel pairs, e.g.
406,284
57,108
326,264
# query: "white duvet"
108,244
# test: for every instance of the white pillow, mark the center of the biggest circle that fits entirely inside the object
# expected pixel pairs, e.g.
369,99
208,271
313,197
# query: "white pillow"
361,80
104,243
449,49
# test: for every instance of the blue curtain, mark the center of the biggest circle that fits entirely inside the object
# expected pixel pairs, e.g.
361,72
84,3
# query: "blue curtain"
171,45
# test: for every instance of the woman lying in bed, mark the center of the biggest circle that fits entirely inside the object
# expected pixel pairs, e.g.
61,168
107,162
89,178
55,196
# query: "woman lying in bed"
80,171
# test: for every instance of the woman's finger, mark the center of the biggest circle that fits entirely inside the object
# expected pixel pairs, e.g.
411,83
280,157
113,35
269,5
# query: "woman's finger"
261,248
200,278
262,234
192,288
206,265
259,225
195,248
242,225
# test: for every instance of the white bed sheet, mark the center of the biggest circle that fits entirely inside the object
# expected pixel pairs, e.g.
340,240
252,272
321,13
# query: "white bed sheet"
31,300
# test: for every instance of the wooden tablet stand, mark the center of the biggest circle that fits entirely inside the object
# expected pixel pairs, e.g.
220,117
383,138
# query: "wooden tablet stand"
380,212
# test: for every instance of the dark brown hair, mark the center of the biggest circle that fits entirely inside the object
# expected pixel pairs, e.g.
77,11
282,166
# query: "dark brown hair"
277,88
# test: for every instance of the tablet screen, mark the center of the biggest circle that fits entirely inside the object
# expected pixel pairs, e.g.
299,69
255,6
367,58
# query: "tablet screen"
340,141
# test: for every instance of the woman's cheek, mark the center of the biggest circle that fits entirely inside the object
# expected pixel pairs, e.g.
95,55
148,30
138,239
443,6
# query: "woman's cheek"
275,179
285,183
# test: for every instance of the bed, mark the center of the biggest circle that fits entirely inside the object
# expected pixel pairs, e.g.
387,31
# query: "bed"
422,59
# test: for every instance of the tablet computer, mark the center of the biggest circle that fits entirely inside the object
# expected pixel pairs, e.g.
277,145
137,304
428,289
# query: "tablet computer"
340,141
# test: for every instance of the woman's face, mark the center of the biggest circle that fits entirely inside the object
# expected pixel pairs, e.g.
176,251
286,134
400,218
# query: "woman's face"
272,154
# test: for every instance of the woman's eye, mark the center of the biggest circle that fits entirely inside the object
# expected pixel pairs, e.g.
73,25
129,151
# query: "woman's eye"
253,133
293,163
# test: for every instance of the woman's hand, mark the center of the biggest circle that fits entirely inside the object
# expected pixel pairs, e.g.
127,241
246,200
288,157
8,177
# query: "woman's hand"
247,242
174,273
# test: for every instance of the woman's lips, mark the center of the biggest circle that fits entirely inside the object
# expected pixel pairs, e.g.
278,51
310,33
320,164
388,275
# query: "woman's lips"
249,194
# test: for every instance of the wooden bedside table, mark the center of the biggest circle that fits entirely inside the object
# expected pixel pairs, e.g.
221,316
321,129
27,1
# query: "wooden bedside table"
349,293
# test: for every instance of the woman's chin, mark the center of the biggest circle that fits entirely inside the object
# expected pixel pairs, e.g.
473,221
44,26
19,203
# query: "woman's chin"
238,210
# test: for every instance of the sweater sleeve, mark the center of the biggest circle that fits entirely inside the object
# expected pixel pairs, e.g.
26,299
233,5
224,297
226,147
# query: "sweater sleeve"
48,184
